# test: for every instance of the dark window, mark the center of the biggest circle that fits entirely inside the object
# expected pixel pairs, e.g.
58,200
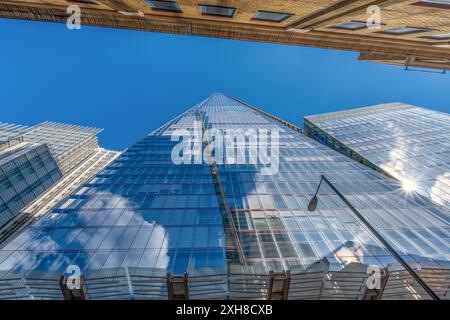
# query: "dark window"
217,10
443,36
351,25
406,30
83,1
163,5
271,16
443,4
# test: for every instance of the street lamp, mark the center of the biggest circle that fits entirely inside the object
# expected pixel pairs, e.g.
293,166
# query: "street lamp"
312,205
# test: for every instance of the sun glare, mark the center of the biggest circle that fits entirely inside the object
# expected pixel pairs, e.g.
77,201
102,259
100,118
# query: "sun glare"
409,185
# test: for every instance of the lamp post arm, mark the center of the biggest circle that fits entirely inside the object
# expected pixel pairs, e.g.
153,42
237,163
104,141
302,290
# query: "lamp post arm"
391,250
320,183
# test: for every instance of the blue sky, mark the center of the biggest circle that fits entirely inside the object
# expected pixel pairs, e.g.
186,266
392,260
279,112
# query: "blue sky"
131,82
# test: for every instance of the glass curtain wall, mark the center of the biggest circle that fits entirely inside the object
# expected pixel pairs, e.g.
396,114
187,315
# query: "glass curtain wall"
144,215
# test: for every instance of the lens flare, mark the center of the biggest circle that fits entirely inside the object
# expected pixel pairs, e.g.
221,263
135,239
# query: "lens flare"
409,186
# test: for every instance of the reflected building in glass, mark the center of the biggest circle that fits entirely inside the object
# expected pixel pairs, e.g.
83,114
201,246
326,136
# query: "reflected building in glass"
408,143
148,225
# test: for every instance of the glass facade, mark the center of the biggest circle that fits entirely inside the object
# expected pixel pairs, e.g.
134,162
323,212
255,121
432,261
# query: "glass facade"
26,171
42,203
69,144
408,143
32,162
145,216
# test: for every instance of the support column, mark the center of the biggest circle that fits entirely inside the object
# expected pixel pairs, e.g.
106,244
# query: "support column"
71,293
178,287
377,294
279,285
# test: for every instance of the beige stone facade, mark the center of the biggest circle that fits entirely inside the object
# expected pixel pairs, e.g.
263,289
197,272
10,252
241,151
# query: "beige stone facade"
411,33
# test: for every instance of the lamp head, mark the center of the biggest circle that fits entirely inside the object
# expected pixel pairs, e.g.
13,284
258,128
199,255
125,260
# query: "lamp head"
312,205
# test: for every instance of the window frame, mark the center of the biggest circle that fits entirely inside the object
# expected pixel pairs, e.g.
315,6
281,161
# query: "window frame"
419,30
148,2
286,16
201,5
350,29
432,4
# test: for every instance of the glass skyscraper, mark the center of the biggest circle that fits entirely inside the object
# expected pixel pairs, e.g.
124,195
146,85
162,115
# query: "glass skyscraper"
40,165
406,142
70,144
27,170
230,228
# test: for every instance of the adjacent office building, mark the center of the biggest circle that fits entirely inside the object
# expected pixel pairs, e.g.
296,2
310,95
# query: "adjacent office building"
413,33
26,170
231,225
41,165
408,143
70,144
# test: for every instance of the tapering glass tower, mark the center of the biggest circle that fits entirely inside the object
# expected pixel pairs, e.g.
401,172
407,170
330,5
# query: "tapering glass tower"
231,222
